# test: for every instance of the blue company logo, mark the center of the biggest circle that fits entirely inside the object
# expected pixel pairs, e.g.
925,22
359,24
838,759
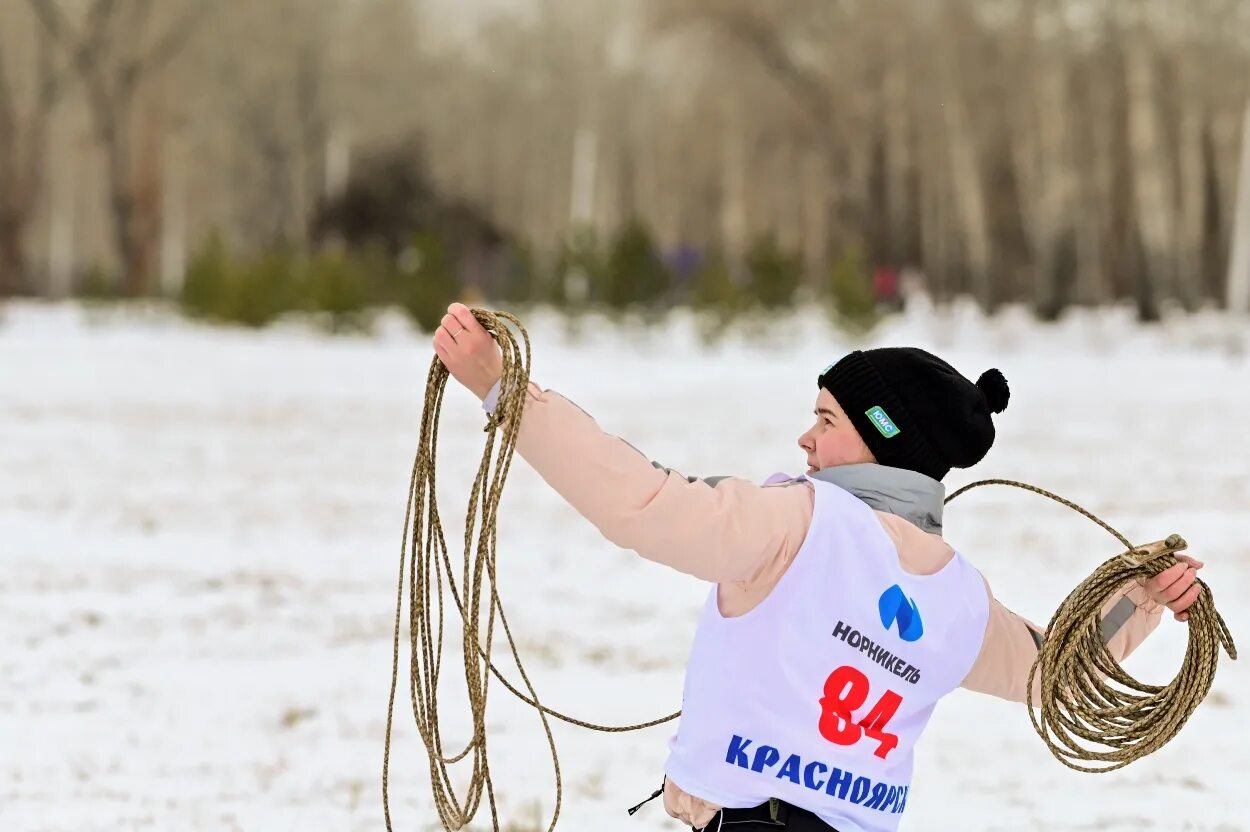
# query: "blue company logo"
895,606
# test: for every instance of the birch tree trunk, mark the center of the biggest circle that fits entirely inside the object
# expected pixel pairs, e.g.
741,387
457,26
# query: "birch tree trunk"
1239,267
968,196
1156,268
24,138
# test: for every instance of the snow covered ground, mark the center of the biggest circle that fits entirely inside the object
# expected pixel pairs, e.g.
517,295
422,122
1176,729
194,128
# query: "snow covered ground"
199,543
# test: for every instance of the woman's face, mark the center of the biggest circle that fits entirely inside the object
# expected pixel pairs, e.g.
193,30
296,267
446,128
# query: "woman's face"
833,440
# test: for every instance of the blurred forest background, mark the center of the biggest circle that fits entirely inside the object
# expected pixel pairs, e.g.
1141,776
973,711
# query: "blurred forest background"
248,159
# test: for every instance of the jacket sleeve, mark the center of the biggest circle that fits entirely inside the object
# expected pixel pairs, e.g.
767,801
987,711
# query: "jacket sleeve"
1011,642
723,529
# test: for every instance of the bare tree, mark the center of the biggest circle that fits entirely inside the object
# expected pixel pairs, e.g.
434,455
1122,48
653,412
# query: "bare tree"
1036,151
1020,150
113,53
23,147
780,38
1239,268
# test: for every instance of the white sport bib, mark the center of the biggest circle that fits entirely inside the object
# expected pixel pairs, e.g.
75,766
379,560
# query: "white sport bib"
819,695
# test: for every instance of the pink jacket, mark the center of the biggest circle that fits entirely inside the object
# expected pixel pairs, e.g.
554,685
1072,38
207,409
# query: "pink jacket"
743,537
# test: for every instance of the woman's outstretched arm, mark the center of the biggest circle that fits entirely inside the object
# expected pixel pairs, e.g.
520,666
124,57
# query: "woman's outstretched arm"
723,529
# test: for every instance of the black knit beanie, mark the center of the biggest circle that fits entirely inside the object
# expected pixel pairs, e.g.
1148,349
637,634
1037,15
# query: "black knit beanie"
914,410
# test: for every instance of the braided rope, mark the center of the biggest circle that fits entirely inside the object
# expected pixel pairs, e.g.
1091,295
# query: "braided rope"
1076,670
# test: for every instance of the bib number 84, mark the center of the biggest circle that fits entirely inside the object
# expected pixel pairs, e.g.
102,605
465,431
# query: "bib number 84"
846,690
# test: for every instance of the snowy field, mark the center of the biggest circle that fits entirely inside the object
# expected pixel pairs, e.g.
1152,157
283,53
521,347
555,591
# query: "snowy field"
199,544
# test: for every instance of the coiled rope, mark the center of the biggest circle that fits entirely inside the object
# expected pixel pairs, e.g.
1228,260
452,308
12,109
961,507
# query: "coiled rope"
1077,701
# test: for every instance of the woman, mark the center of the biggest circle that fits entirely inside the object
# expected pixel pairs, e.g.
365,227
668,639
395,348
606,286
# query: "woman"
840,615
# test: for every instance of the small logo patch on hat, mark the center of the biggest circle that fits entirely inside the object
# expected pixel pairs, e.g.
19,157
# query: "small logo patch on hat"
882,422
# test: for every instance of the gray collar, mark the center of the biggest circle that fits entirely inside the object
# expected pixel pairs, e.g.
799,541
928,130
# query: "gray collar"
911,495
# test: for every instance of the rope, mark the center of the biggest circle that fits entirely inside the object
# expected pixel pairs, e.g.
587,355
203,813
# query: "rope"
1077,703
424,555
1076,668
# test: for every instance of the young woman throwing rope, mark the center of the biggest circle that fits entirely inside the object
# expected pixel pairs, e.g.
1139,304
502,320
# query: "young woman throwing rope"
839,610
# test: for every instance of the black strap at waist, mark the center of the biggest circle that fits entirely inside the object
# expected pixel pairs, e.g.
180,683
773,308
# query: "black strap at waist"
776,813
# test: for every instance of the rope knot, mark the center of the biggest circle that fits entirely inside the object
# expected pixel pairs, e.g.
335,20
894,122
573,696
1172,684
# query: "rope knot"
1142,555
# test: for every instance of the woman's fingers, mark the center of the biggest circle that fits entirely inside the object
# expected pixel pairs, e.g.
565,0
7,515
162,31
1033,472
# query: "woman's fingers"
1192,561
1177,587
467,350
1159,584
1186,600
451,325
464,316
1180,586
443,339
